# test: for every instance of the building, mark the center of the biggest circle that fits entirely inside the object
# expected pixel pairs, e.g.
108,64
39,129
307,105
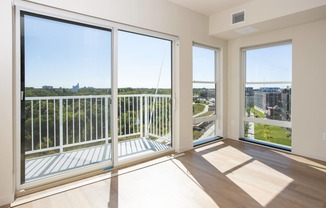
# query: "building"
249,93
266,98
274,113
286,104
46,87
75,88
209,23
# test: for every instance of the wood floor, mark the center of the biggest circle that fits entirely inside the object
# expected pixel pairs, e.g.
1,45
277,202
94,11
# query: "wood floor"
225,174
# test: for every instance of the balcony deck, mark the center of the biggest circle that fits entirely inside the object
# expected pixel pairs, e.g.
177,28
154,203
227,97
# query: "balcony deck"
53,164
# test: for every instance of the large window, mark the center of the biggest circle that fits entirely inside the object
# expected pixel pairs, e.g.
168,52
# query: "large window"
205,109
92,96
267,74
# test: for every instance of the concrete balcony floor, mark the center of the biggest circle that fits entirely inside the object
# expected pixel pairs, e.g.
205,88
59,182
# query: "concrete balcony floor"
45,166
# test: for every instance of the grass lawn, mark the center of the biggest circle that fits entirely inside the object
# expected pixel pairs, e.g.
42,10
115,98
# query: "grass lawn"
273,134
197,134
257,113
197,108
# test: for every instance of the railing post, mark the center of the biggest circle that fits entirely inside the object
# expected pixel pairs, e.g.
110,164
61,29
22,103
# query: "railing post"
61,124
106,103
146,115
141,115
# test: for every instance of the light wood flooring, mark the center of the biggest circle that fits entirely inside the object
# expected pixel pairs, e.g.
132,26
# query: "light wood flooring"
225,174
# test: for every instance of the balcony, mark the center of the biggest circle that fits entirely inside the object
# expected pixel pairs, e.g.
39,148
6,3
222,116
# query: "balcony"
67,132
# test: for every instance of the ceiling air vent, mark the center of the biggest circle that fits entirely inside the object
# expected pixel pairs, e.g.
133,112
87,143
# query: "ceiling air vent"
238,17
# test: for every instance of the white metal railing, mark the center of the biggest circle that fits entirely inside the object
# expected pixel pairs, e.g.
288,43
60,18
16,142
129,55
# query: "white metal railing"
59,122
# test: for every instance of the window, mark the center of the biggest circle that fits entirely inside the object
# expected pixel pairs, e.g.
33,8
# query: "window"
66,82
89,101
205,111
267,94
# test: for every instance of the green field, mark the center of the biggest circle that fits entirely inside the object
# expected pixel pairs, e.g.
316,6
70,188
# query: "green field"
197,108
273,134
257,113
197,134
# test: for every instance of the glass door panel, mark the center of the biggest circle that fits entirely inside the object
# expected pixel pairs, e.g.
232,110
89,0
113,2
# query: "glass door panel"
66,82
144,95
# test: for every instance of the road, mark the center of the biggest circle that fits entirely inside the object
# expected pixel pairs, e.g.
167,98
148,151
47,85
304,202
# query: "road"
201,113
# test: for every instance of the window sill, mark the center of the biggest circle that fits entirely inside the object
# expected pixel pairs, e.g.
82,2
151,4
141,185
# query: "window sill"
205,141
267,144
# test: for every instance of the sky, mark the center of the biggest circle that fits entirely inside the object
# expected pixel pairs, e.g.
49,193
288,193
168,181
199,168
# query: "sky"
141,60
203,64
269,64
61,54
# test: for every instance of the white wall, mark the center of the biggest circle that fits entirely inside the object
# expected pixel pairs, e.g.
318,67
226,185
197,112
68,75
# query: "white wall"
261,11
6,104
158,15
308,79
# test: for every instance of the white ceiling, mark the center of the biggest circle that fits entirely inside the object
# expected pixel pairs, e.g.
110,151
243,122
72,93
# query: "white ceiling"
208,7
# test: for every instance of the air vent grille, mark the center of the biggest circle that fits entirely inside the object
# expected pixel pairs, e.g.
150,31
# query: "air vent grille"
238,17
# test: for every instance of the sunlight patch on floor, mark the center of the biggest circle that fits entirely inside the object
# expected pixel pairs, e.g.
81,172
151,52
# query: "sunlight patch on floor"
309,162
254,178
226,158
318,168
186,171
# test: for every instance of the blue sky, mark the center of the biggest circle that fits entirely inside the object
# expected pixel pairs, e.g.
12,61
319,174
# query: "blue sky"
271,64
140,59
203,64
61,55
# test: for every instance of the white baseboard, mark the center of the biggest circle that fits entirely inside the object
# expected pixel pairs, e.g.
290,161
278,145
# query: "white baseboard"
7,199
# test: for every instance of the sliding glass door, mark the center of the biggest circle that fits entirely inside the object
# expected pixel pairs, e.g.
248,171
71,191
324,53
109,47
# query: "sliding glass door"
88,100
65,103
144,95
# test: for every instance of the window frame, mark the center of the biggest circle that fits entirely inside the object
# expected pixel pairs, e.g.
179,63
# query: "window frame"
114,27
243,83
217,117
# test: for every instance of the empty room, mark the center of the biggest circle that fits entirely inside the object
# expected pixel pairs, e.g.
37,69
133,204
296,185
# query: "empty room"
162,103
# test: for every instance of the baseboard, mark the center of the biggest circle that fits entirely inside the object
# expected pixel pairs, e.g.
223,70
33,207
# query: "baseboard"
4,200
183,149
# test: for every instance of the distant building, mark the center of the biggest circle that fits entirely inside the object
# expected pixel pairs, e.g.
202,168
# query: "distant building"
211,107
267,97
46,87
274,113
249,92
75,88
286,104
269,89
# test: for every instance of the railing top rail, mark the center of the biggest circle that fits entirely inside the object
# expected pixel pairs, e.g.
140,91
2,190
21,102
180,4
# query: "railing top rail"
67,97
158,95
144,95
93,96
